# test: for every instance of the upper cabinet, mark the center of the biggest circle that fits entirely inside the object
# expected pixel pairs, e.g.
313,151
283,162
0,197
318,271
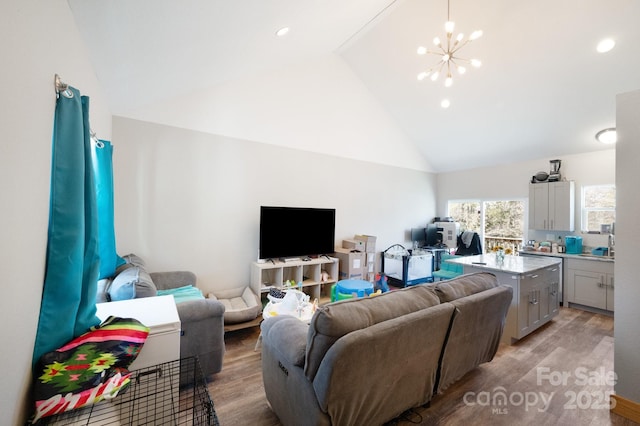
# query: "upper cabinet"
551,206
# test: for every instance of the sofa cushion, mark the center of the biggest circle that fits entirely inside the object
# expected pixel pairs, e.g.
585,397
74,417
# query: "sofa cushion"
465,285
133,282
335,320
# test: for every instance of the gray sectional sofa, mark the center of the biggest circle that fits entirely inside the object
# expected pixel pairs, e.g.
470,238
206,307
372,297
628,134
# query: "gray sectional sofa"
366,361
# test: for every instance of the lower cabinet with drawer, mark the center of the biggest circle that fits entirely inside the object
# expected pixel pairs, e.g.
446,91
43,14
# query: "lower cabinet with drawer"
539,299
590,283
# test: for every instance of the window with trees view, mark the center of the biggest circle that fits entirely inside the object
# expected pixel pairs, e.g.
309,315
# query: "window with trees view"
499,223
598,206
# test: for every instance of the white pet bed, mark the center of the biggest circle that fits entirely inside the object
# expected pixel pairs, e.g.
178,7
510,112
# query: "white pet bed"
240,304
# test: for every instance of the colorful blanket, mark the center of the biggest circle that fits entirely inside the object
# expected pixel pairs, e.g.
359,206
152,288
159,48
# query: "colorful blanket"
88,369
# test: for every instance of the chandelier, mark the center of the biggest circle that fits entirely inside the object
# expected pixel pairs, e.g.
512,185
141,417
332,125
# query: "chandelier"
447,53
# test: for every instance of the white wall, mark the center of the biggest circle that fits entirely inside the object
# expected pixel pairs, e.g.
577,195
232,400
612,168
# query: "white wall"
627,293
319,106
37,40
191,200
511,181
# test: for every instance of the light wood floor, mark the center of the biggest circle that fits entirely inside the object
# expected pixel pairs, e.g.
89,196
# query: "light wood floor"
567,362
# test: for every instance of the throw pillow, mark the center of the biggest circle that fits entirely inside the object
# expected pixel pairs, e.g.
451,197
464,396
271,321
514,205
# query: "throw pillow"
102,295
132,283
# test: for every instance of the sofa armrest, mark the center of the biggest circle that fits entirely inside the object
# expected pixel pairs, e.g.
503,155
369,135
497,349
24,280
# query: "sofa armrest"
287,336
196,310
173,279
202,326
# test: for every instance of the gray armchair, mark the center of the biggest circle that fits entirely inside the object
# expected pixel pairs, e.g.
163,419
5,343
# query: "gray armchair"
202,322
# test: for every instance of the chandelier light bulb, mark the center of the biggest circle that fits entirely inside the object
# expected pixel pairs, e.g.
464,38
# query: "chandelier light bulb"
460,37
449,26
422,50
446,57
476,63
445,103
434,76
436,41
422,76
475,35
448,82
461,70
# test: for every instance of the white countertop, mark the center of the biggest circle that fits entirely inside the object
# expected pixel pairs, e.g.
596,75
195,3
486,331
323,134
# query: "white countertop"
584,256
511,264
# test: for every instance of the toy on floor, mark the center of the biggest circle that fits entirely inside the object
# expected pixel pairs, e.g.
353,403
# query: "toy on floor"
381,283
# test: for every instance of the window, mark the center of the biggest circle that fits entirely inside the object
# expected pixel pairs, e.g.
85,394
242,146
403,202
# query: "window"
598,207
499,223
467,214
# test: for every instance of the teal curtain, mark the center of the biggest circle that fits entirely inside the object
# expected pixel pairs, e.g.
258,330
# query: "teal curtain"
72,260
102,160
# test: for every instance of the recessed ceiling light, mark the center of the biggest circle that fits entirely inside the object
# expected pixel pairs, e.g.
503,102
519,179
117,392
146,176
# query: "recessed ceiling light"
282,32
445,103
607,136
605,45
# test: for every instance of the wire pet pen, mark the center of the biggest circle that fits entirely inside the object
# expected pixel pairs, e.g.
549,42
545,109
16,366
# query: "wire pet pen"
172,393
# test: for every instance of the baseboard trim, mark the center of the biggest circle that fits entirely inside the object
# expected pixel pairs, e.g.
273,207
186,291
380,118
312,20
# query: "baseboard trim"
625,408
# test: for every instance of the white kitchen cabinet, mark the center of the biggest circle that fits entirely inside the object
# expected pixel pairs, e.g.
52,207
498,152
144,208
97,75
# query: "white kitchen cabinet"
590,283
539,298
535,282
551,206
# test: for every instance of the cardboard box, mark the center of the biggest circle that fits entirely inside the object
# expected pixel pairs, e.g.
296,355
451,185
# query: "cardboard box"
352,264
371,262
369,240
354,245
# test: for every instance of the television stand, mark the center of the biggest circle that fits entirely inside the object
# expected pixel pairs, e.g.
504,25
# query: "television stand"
265,276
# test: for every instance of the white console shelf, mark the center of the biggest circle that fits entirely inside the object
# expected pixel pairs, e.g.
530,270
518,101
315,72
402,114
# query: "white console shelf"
309,272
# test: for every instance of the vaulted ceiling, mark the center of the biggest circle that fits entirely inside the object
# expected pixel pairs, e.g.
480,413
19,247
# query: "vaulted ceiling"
543,91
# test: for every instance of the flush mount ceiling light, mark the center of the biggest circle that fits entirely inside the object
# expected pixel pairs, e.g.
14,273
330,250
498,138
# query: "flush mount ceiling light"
607,136
605,45
447,52
282,32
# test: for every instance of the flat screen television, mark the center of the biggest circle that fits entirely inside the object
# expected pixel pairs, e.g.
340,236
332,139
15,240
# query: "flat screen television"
296,231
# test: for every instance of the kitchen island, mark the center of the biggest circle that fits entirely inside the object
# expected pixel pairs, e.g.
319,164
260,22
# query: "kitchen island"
536,285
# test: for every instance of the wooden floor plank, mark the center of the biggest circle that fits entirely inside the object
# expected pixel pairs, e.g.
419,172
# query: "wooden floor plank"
576,344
